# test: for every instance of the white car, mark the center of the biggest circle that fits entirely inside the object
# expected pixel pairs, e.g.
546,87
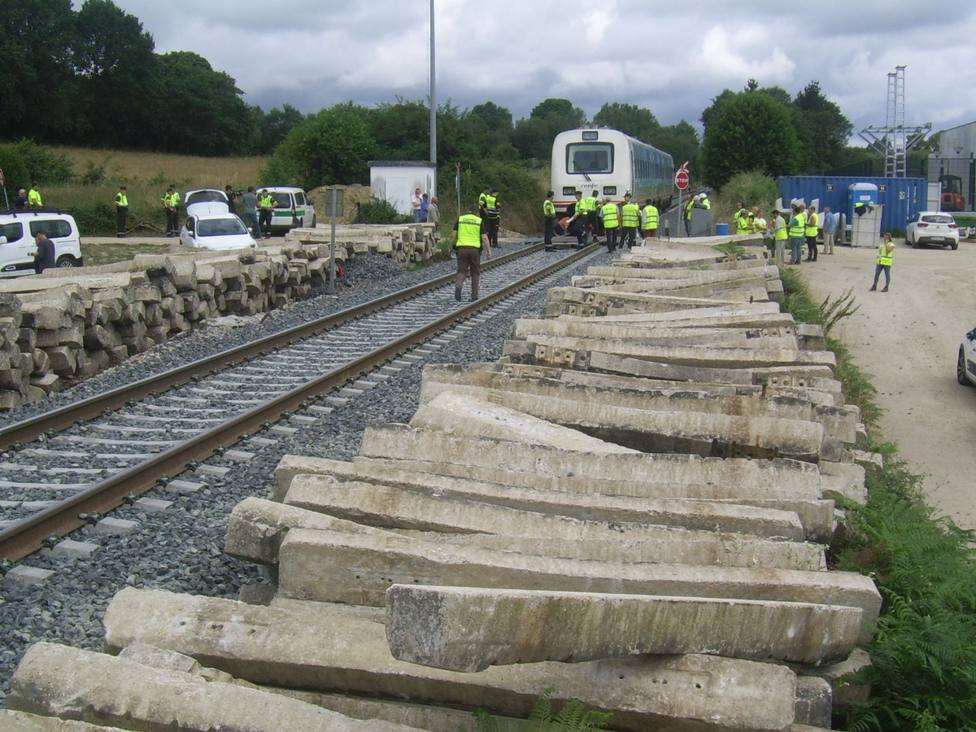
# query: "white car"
215,231
292,208
966,363
932,227
18,247
213,199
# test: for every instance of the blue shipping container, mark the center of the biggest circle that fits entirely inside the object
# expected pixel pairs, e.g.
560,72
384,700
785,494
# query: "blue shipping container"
901,197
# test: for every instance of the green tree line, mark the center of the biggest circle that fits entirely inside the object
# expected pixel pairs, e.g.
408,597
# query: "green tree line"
92,77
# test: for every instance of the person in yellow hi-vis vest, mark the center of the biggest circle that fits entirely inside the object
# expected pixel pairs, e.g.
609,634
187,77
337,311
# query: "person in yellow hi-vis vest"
471,236
882,263
610,216
810,232
796,226
780,236
649,219
630,219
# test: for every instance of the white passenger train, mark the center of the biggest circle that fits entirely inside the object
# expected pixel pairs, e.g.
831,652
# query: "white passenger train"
611,163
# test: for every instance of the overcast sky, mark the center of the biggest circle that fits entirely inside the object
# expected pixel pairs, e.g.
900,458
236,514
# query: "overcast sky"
672,57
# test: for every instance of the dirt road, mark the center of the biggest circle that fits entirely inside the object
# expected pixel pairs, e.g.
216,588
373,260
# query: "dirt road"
908,340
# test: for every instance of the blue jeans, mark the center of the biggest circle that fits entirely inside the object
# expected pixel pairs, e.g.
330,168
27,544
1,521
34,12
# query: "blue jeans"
796,249
878,269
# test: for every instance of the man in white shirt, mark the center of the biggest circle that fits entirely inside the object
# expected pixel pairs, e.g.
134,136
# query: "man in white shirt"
415,202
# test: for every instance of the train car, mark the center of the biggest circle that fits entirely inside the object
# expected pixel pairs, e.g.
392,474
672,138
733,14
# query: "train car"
612,163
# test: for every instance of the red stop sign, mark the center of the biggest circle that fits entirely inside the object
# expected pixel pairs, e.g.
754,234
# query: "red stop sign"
681,179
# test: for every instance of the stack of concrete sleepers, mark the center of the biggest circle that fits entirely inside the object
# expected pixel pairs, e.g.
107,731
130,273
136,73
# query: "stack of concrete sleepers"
630,509
68,324
404,243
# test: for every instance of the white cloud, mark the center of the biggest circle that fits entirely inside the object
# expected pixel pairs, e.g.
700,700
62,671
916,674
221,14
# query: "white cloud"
672,57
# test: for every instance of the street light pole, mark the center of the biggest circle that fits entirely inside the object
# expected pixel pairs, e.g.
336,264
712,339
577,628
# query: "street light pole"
433,103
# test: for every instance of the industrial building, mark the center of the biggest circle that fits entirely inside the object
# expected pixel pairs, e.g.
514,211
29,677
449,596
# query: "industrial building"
953,165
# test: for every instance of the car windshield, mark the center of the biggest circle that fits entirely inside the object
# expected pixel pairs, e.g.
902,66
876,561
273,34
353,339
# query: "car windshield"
206,197
938,219
220,227
282,200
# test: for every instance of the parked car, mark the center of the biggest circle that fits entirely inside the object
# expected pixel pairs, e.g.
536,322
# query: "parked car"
213,199
292,208
17,245
966,363
932,227
215,231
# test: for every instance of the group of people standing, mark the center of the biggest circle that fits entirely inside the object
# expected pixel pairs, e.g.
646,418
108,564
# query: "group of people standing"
801,230
30,198
592,217
424,208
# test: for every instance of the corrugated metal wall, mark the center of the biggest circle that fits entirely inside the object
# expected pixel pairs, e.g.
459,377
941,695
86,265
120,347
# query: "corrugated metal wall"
901,197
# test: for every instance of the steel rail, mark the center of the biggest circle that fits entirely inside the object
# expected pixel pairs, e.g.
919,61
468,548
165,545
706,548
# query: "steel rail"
29,535
61,418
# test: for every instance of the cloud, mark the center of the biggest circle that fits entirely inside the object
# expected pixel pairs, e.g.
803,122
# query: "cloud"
671,57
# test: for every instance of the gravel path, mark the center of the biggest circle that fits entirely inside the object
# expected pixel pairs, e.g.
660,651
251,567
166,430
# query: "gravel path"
908,340
180,548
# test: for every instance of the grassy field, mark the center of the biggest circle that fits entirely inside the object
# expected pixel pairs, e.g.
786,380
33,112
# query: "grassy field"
146,174
161,169
95,254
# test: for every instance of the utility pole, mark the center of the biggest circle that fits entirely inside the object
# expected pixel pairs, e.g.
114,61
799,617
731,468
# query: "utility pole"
433,103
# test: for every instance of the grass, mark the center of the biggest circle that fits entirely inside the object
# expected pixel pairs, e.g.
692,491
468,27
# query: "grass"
923,673
146,175
95,254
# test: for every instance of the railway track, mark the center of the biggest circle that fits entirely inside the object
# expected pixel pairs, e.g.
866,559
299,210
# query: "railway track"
67,467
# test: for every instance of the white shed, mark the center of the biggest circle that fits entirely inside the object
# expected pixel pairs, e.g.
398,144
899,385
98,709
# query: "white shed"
395,181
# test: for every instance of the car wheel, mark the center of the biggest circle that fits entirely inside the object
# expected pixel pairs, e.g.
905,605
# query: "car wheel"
66,261
961,368
913,243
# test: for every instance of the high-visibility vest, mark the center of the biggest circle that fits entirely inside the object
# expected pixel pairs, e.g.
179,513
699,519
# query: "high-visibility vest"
580,207
34,198
591,204
650,217
742,225
548,209
811,225
121,199
797,225
706,204
469,231
630,215
689,208
171,199
491,202
610,217
481,199
759,224
781,233
884,256
266,202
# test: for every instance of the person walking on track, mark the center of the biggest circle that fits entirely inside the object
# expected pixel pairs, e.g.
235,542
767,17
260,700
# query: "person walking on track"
471,237
548,219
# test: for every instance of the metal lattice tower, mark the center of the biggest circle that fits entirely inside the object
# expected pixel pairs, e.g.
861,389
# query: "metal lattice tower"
895,139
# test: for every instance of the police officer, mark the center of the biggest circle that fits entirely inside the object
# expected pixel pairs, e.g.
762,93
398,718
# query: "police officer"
493,216
171,199
121,212
265,212
688,214
34,199
482,199
650,218
630,219
548,219
467,247
611,223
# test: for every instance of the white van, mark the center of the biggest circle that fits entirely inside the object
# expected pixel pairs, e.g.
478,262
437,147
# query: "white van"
17,245
292,208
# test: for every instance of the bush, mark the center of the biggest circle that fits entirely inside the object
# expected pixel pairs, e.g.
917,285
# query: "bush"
14,170
519,190
24,162
376,211
753,188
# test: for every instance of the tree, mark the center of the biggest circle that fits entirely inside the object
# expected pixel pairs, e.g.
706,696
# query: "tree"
628,118
115,71
822,128
533,135
680,141
749,131
198,110
35,44
275,124
332,146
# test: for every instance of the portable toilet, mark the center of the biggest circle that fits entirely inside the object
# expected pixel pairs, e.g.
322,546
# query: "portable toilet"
861,193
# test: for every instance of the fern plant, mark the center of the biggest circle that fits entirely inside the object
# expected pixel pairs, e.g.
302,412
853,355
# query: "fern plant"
572,717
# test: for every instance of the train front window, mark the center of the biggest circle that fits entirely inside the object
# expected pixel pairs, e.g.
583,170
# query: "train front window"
589,157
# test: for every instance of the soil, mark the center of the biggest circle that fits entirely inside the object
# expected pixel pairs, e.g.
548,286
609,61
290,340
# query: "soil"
908,341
